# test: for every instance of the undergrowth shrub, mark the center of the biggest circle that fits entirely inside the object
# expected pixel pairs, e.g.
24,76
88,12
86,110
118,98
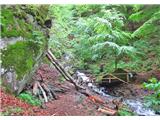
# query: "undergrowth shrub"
153,100
29,98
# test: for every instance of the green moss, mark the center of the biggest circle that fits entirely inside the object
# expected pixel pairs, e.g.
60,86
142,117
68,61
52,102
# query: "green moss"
8,24
14,21
20,57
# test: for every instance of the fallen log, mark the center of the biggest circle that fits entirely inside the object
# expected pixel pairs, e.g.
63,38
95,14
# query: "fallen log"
107,111
35,88
59,67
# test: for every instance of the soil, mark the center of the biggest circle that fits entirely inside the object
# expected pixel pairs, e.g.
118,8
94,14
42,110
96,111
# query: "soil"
69,103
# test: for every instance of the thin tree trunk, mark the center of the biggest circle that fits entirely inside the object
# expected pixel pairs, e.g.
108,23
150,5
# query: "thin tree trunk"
59,67
116,62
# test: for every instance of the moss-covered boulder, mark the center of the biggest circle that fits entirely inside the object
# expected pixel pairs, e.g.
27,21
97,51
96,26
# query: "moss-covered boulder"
27,22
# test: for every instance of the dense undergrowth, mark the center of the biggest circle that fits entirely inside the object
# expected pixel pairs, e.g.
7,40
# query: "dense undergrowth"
124,36
153,100
29,98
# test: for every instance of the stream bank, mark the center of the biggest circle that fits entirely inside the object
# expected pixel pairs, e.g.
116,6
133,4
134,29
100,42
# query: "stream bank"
132,95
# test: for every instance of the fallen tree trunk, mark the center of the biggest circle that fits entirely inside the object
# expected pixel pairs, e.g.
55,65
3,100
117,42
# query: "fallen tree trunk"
59,67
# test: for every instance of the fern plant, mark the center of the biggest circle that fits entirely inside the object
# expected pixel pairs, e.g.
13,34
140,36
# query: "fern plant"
118,51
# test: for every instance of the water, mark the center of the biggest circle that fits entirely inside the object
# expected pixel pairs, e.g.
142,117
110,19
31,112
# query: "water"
137,106
83,77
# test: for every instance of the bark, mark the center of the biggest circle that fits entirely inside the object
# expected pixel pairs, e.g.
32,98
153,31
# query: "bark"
59,67
107,111
43,92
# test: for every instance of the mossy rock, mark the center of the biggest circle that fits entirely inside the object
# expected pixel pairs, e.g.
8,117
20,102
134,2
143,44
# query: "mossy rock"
20,56
14,19
16,22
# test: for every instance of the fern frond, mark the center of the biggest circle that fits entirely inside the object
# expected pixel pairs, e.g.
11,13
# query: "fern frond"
148,27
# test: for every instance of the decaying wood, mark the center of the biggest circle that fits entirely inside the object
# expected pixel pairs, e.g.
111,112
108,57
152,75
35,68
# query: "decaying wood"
47,90
55,89
43,92
107,111
96,99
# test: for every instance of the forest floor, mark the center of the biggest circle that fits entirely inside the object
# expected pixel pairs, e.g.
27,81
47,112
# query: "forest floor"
70,103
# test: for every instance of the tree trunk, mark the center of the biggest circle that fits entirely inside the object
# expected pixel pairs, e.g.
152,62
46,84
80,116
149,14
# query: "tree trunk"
59,67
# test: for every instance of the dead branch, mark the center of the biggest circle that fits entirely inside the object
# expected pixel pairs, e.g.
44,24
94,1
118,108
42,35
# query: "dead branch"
43,92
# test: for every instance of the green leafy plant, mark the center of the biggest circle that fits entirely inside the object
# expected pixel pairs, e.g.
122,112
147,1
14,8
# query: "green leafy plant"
106,33
118,51
27,97
153,100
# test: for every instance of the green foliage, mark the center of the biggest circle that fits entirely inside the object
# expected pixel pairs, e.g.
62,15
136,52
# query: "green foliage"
90,30
118,51
149,16
153,99
12,26
125,111
27,97
18,22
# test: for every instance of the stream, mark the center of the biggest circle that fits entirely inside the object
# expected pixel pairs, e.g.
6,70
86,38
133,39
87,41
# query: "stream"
136,105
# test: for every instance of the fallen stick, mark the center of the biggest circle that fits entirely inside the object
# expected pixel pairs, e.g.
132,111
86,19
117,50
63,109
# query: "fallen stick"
43,92
107,111
96,99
